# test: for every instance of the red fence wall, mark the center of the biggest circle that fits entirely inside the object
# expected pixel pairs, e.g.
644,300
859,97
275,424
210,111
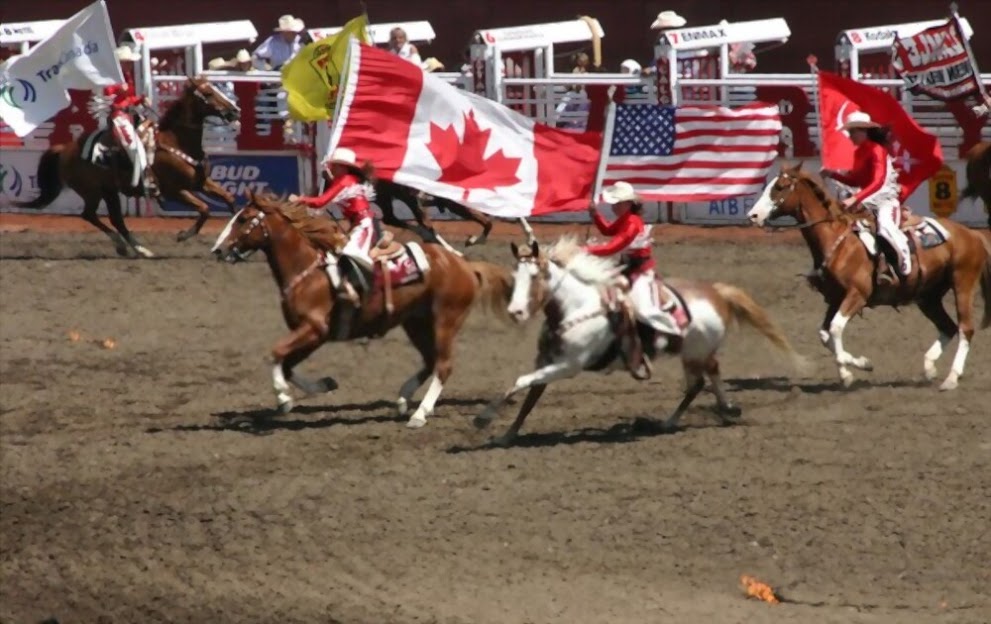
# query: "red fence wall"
814,23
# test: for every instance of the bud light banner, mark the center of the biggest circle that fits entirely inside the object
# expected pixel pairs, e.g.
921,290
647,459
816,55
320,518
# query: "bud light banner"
239,173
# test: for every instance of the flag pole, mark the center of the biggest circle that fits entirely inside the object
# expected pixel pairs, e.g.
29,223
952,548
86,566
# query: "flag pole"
813,62
970,53
607,133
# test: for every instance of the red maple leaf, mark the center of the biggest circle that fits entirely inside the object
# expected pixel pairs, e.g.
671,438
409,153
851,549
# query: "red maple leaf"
463,162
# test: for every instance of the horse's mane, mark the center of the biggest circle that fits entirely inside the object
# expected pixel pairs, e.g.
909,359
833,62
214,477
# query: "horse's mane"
829,203
321,232
570,255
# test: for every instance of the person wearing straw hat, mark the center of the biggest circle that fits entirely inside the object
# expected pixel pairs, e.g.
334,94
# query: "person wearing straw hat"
874,173
281,46
352,191
631,239
667,20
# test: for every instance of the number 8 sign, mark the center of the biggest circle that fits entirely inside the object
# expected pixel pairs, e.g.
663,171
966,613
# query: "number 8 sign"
943,192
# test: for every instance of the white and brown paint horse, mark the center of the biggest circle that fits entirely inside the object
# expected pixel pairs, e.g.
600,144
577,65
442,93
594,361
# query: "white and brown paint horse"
568,284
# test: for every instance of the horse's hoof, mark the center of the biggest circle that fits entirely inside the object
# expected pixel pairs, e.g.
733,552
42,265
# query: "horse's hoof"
481,422
846,378
416,421
143,251
949,384
472,240
184,236
402,406
503,441
866,365
930,372
731,411
285,407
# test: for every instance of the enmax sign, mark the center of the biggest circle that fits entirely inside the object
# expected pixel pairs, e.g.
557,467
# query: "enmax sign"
239,174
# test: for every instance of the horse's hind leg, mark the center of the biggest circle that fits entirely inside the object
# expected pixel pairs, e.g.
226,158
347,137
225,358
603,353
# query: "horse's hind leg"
472,215
448,318
725,408
963,291
116,213
694,383
203,213
89,216
934,311
420,332
213,189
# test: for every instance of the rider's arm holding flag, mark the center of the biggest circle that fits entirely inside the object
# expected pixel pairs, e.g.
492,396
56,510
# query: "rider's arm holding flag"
601,224
868,173
328,196
622,230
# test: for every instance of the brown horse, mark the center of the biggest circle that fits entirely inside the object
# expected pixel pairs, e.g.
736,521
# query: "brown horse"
180,165
947,254
431,299
979,176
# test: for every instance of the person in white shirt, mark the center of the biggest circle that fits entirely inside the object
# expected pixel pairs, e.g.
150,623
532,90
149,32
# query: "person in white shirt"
276,51
401,47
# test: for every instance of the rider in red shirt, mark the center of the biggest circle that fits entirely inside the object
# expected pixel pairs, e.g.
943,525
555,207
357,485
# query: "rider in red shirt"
351,191
631,238
123,101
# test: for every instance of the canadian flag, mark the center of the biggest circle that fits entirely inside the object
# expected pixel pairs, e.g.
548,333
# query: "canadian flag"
916,153
419,131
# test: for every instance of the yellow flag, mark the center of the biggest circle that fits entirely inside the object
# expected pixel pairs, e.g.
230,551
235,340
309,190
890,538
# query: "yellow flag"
313,77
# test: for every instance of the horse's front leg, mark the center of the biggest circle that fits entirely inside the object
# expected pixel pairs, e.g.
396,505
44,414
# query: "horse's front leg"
213,189
203,213
286,354
852,304
528,403
542,376
824,336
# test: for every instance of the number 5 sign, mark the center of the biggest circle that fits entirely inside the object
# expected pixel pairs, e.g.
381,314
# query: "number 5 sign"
943,192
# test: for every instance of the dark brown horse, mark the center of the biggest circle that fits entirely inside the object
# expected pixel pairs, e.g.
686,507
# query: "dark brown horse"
180,166
979,176
431,307
386,191
957,258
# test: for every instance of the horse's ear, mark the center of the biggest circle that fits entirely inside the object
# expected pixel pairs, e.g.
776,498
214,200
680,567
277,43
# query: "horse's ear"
515,249
798,167
535,249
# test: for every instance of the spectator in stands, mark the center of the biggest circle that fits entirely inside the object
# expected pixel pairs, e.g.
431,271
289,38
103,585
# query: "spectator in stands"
432,65
276,51
666,20
742,58
401,47
581,62
983,109
631,67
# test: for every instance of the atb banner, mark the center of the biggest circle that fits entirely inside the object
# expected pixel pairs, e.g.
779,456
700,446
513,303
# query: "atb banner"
937,62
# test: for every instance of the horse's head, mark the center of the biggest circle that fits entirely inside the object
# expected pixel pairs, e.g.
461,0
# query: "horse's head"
211,101
530,282
782,197
246,232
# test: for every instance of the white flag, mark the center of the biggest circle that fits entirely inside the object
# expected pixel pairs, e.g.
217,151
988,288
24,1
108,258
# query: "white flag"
79,55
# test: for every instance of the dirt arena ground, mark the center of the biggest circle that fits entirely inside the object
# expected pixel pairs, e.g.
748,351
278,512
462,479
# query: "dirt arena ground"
145,483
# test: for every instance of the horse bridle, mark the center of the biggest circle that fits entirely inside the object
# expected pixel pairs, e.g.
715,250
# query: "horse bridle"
549,293
257,220
798,226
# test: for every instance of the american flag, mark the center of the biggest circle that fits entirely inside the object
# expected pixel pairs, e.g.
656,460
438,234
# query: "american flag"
692,153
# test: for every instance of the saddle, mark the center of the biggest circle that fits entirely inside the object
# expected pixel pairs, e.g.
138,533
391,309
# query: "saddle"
385,250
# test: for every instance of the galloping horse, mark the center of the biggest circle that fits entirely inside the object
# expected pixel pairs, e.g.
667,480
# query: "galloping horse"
577,336
434,292
180,166
948,255
979,175
386,191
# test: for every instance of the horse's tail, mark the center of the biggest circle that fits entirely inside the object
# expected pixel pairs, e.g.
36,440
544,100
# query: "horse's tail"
986,283
49,181
747,311
495,287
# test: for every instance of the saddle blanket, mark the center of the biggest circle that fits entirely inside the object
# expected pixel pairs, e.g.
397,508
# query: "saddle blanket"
408,266
929,233
672,303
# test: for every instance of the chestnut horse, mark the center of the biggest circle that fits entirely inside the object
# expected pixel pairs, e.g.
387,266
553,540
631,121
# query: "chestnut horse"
430,309
568,284
180,166
979,176
844,272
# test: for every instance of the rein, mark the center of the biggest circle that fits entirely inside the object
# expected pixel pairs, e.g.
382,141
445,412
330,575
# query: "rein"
565,326
296,281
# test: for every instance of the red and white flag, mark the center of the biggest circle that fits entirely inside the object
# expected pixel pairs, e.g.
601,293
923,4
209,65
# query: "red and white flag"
917,154
420,131
937,62
691,153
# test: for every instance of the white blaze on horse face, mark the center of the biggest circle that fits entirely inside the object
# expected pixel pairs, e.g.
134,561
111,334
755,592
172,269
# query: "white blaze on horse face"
764,206
226,232
519,303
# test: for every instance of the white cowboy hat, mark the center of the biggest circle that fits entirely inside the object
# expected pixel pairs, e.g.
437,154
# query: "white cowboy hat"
668,19
217,63
342,156
619,192
288,23
126,53
629,66
859,120
242,56
432,64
